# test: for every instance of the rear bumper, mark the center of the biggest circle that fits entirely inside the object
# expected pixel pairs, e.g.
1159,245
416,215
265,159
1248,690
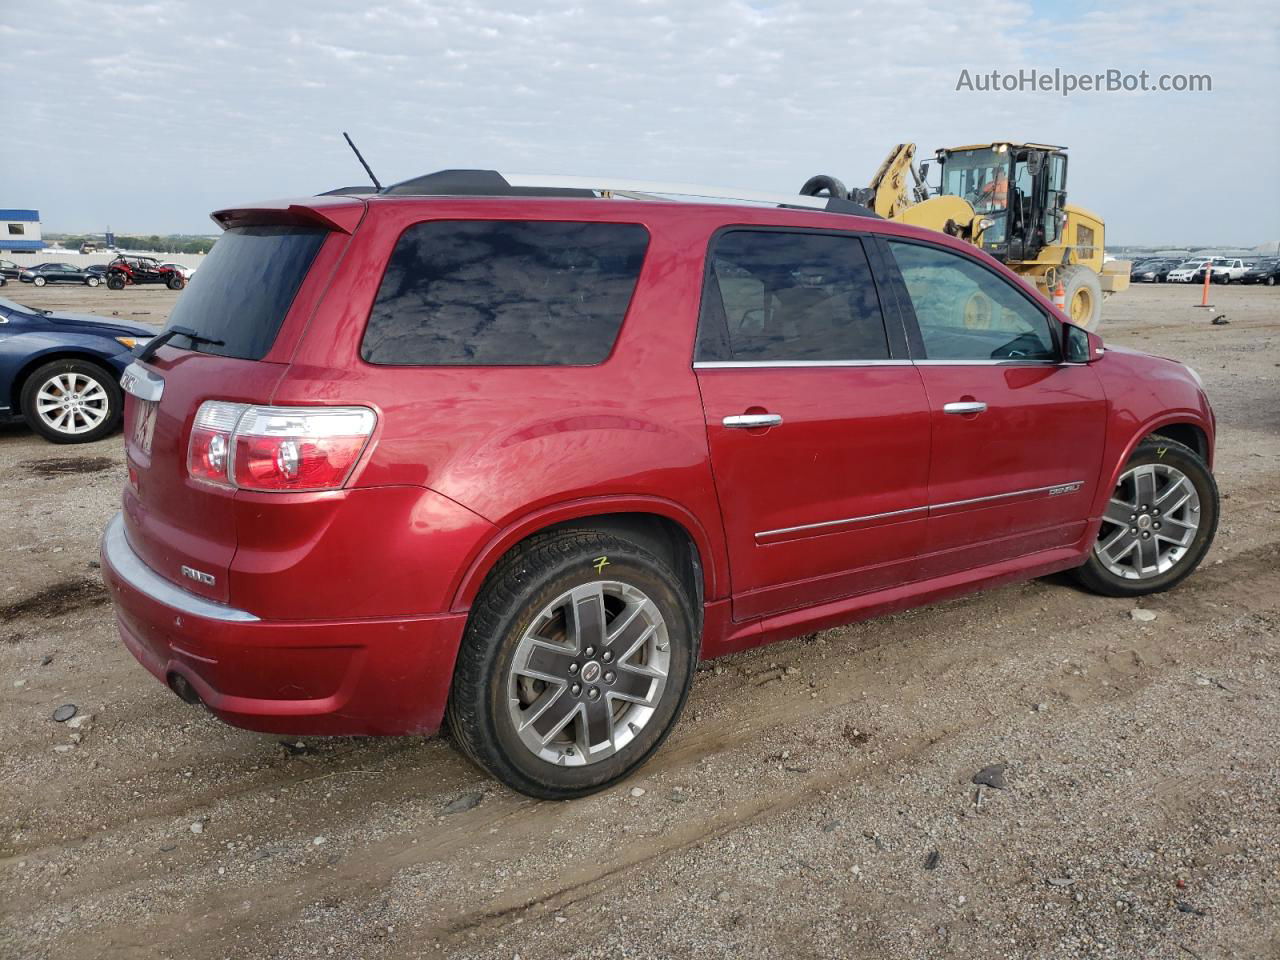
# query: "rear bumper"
342,677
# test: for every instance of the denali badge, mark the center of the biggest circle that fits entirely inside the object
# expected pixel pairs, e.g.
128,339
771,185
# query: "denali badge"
1065,488
199,576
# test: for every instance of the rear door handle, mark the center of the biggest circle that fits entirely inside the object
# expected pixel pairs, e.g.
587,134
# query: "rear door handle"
748,421
964,406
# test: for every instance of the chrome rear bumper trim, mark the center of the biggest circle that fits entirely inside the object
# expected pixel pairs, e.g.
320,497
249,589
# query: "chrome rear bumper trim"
129,567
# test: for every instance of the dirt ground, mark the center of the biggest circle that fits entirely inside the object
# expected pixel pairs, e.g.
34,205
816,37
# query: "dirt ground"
824,809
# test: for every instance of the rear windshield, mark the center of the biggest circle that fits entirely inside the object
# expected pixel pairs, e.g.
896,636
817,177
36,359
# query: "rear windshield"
242,291
505,292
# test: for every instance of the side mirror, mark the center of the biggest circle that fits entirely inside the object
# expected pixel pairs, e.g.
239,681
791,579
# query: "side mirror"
1079,345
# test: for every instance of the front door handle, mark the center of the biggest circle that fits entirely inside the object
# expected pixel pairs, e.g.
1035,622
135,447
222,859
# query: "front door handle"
749,421
964,406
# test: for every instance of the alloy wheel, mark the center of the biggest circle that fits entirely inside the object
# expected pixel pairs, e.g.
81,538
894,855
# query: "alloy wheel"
1150,522
72,403
588,673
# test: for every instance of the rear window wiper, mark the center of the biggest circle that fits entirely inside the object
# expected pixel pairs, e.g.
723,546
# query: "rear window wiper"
155,343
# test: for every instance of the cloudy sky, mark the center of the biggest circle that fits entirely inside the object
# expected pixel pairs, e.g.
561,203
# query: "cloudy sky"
146,116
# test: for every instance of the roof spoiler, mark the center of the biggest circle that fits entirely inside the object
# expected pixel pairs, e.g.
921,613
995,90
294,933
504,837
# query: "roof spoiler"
340,213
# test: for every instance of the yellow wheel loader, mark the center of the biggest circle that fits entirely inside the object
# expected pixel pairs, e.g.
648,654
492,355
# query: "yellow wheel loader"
1010,199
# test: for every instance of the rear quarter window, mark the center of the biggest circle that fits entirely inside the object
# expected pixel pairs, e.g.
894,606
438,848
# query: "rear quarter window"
244,288
505,293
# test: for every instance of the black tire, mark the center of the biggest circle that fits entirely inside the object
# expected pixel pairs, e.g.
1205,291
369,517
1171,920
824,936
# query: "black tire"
1079,280
515,593
175,282
90,281
115,282
1270,281
1095,575
80,368
39,281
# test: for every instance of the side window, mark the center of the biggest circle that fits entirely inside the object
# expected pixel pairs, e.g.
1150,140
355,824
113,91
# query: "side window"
777,296
966,312
504,293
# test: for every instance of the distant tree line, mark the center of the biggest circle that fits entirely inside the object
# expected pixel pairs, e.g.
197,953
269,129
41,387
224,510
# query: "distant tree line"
167,243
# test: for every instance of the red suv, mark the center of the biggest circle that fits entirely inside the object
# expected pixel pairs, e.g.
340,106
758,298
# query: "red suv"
523,456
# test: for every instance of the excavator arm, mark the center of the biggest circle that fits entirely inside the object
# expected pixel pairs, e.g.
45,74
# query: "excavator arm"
887,194
892,198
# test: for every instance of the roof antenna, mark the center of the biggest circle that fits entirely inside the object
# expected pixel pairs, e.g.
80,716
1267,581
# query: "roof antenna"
356,151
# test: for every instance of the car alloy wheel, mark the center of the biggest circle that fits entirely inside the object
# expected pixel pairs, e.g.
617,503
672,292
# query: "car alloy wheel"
91,281
38,281
72,404
1150,522
588,673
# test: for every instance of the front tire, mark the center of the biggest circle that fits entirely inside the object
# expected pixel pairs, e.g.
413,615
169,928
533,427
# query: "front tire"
115,282
71,401
1158,525
175,282
576,662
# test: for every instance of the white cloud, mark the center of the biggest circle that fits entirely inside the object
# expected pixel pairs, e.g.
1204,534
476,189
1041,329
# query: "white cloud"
209,104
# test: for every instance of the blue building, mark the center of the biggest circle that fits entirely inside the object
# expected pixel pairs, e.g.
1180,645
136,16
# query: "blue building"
20,231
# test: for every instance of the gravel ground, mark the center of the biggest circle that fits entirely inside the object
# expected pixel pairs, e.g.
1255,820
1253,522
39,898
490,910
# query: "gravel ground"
816,801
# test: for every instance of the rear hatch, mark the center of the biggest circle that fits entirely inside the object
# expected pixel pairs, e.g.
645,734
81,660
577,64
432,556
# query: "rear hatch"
248,303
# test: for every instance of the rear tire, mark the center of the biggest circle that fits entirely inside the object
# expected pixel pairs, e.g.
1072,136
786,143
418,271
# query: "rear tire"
1154,535
1083,295
39,281
552,697
91,281
71,401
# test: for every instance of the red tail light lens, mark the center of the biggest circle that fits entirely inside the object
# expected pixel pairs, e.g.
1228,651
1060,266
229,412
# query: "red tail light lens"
209,450
278,448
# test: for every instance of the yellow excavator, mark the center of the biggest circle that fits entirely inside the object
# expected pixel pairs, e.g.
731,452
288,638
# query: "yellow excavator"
1009,199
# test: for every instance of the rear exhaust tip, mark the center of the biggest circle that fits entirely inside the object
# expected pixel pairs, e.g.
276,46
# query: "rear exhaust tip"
183,688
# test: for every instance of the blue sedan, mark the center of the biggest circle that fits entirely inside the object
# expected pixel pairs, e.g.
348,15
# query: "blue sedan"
61,371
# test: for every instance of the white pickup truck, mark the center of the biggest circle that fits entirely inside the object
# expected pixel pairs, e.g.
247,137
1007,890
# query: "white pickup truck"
1231,269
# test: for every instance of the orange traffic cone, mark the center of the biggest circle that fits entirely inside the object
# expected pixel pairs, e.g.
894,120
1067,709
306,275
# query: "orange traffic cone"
1060,297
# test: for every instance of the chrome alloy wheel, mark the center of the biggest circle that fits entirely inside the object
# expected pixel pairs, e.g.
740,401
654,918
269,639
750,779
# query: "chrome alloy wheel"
72,403
588,673
1150,522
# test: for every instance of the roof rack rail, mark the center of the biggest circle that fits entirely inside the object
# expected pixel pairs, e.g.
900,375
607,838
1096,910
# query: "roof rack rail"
493,183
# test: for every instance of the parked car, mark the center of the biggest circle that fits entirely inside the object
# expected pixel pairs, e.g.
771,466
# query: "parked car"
61,371
1190,271
124,271
527,459
1263,271
1153,271
57,273
9,270
1229,269
180,268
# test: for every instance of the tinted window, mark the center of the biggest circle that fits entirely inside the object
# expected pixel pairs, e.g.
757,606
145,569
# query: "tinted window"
776,296
243,290
966,312
505,292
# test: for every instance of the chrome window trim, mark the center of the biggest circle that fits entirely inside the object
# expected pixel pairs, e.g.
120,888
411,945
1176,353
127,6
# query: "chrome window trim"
1003,362
782,364
1071,486
129,567
802,364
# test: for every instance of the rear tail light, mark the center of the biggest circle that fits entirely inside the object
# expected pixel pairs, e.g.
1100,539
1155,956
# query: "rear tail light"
277,448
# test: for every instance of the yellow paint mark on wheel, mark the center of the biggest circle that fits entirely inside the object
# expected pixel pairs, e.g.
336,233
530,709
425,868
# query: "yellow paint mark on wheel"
600,563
